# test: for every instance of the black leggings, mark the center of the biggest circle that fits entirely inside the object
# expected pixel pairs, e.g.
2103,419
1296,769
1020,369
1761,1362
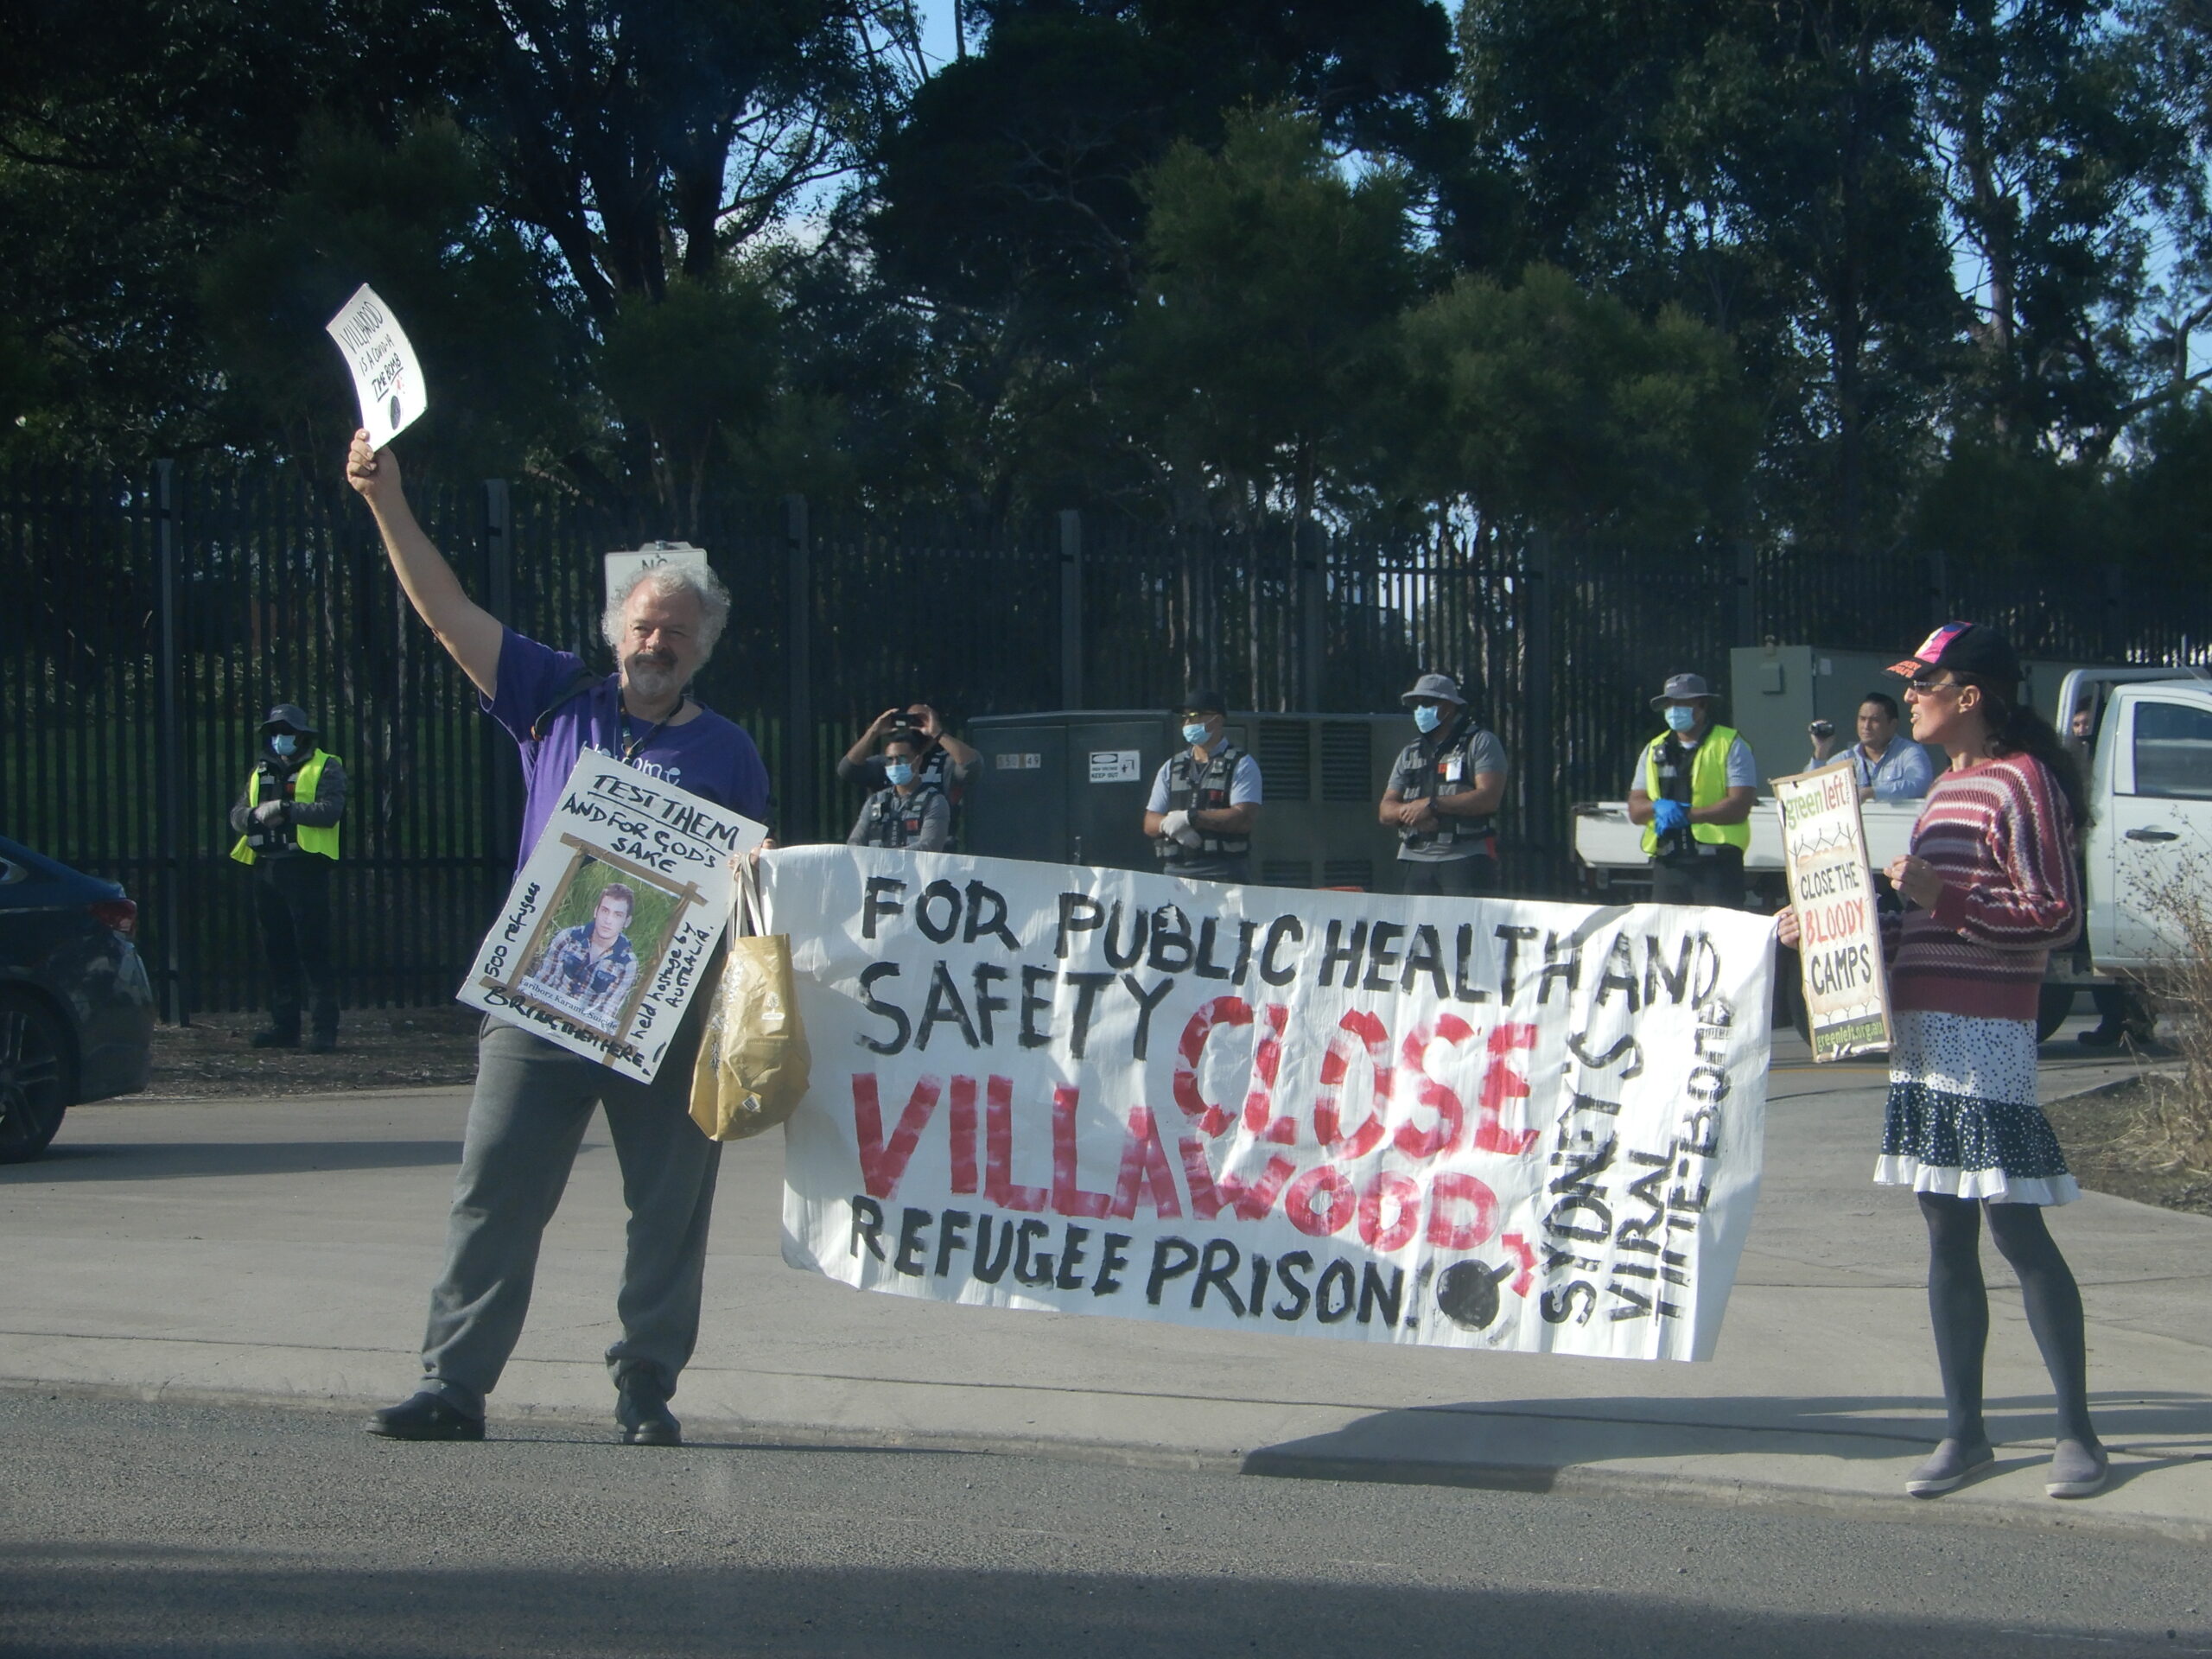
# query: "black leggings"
1958,1303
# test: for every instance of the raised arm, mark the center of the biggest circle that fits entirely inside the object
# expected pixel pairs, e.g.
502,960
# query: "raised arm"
470,634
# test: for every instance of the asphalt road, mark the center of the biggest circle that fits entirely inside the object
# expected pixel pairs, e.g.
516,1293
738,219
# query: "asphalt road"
129,1528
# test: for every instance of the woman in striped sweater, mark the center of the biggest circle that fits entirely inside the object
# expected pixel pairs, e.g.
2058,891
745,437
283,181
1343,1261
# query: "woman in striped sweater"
1991,887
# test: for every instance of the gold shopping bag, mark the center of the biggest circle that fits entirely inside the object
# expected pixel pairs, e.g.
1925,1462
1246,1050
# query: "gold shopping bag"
752,1068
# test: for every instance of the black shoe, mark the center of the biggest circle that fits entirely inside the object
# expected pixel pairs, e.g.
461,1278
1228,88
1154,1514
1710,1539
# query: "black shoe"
276,1036
424,1417
641,1408
2101,1036
321,1042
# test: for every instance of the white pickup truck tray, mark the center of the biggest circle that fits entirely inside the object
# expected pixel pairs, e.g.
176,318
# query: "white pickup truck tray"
1606,839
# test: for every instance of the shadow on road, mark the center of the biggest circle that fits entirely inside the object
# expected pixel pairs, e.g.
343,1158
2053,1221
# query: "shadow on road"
75,1602
1522,1445
157,1160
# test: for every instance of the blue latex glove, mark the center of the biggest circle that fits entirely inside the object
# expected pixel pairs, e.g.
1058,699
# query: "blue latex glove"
1669,816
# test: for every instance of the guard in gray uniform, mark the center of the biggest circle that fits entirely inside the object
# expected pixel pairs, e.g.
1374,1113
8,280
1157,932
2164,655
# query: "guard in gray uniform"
905,811
1445,790
1205,799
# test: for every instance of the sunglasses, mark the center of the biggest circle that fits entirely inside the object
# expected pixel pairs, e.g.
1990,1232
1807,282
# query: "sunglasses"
1924,684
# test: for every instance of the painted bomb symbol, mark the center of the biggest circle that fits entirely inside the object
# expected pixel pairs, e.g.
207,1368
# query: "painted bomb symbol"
395,408
1468,1292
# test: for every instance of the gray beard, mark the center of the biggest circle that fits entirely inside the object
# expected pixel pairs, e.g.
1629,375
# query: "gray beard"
649,680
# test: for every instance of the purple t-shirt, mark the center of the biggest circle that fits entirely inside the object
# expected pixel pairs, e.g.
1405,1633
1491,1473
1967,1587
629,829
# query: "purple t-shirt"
708,755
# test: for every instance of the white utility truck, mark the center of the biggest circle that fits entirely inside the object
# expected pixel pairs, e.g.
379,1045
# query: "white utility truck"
2149,767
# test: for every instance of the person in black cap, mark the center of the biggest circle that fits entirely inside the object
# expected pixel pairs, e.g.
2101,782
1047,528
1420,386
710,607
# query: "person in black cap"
287,824
1205,798
1444,789
1692,792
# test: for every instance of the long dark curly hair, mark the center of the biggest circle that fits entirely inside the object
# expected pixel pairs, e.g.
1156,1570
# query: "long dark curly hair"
2016,728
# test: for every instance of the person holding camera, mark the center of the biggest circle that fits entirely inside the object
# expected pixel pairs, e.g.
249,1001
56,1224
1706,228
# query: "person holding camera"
1443,799
1888,767
287,823
905,811
1205,799
941,760
1693,790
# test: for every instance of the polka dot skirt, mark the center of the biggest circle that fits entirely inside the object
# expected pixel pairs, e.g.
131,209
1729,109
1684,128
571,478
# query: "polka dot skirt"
1963,1118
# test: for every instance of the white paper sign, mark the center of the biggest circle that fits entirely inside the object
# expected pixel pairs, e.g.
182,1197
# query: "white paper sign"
608,927
622,568
1465,1123
385,375
1840,952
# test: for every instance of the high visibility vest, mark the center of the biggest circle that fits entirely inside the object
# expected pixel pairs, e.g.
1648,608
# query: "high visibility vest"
1708,785
311,839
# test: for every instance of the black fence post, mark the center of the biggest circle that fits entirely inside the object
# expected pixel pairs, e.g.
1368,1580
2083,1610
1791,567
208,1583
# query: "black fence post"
502,783
168,758
499,551
1747,614
800,780
1939,590
1070,608
2116,630
1544,773
1311,550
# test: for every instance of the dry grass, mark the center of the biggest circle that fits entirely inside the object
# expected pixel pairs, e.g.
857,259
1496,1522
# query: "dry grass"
2172,1129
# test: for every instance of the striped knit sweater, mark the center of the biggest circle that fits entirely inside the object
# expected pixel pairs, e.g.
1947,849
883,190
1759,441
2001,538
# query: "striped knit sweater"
2001,837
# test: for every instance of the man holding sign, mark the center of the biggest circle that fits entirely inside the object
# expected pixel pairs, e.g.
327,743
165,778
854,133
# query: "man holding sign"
533,1097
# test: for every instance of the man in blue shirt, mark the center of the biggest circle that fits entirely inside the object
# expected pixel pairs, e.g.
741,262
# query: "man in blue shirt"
1888,767
533,1098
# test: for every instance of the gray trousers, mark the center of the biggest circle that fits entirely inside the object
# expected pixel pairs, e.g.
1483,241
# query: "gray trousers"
532,1104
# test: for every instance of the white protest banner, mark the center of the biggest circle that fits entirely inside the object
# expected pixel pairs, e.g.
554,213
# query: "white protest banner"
613,917
623,567
1824,850
1460,1122
385,375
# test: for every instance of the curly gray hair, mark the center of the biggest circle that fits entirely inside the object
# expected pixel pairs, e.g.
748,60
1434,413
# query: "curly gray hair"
668,580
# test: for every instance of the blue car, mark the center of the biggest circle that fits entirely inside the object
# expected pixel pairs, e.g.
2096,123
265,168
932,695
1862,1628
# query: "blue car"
76,1009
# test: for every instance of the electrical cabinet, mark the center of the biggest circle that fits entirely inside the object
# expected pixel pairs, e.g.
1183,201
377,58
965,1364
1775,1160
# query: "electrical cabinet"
1070,786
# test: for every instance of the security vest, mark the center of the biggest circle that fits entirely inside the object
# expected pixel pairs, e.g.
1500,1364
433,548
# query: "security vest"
1193,788
311,839
896,820
1708,784
1444,772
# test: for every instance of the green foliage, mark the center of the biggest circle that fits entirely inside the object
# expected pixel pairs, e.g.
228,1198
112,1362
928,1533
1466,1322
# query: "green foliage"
1271,284
1826,274
1562,409
693,369
408,220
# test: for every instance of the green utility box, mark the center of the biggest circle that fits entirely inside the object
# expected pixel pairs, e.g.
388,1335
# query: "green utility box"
1070,787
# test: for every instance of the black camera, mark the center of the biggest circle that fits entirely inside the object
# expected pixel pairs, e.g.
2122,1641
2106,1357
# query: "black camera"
1822,728
902,721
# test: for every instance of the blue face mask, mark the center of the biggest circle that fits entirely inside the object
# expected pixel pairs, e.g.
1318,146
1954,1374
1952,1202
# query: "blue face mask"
1195,732
900,773
1429,716
1680,718
285,744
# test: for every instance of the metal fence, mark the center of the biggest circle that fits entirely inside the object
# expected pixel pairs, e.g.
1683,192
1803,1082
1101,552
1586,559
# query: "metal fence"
147,623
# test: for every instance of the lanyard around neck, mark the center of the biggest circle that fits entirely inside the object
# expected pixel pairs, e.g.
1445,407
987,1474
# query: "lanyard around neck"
631,746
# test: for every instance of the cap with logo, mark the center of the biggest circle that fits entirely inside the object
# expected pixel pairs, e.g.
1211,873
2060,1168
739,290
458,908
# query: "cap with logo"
1440,687
1969,648
1680,687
